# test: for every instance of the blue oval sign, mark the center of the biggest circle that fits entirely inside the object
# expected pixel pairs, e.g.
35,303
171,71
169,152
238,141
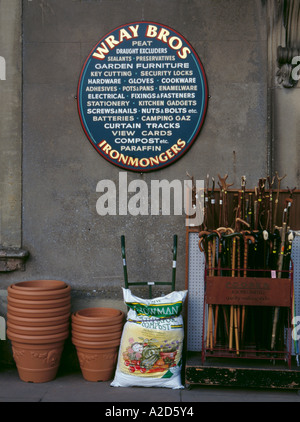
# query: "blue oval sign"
142,96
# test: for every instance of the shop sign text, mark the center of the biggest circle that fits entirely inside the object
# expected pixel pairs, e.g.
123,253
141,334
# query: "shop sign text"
142,96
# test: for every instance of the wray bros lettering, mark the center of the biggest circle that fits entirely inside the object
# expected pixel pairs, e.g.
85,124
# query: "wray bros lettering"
152,31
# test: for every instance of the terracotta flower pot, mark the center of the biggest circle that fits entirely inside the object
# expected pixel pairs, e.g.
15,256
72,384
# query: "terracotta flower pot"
37,331
38,304
38,322
97,330
97,360
98,316
40,339
40,285
96,337
30,294
37,363
38,313
37,356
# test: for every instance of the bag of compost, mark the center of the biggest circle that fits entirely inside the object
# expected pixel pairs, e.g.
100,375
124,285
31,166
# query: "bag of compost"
151,345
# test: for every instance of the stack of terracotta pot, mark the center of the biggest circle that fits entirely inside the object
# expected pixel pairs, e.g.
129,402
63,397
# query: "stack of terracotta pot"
96,334
38,319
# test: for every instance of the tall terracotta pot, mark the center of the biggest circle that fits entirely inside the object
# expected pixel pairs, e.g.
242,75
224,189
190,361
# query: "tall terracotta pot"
96,334
38,320
97,359
37,359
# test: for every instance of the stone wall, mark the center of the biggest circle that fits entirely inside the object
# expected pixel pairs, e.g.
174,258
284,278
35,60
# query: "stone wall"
65,236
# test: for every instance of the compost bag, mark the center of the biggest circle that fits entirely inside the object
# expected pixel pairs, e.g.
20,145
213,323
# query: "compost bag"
150,353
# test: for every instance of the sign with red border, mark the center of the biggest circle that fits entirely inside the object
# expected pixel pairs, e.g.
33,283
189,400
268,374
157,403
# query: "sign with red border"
142,96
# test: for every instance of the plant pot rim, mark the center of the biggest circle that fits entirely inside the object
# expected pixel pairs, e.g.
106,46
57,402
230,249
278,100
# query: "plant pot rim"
95,344
98,312
40,285
38,304
97,329
97,337
38,294
32,339
19,329
97,316
37,313
38,321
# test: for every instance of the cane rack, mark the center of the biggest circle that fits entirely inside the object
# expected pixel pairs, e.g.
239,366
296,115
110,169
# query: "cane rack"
259,296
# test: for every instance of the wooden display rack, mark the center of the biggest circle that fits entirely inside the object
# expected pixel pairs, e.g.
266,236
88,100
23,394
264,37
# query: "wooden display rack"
241,294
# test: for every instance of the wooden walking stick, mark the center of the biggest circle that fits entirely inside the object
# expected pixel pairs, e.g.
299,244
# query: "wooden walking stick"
205,246
270,216
209,339
233,324
283,232
212,239
212,204
224,187
247,238
279,179
235,307
243,198
288,204
250,210
211,333
221,263
206,203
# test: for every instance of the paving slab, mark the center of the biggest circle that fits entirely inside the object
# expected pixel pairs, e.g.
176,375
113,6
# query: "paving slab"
71,387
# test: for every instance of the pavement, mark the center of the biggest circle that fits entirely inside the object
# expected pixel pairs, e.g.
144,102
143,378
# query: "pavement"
71,387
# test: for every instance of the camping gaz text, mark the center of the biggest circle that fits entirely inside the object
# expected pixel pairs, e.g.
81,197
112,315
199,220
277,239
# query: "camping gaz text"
116,201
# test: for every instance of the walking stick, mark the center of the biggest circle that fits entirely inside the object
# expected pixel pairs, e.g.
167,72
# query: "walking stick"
250,210
212,204
279,179
211,335
270,216
224,187
212,239
243,199
288,204
255,206
205,246
222,263
209,340
206,203
247,238
279,269
233,325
